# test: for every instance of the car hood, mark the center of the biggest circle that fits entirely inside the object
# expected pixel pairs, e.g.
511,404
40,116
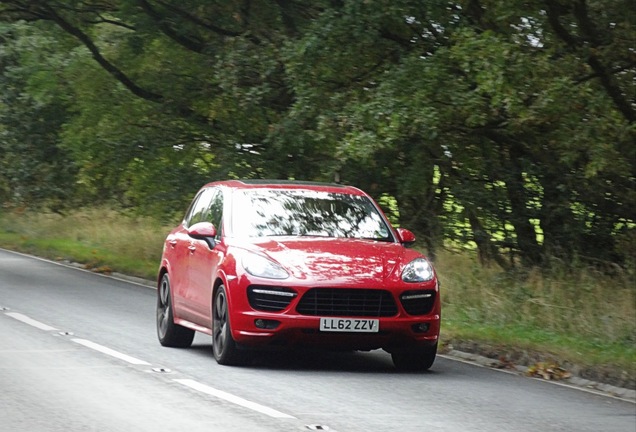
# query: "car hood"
336,260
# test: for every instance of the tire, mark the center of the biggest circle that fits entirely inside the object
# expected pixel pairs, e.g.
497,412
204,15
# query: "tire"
224,347
414,360
169,333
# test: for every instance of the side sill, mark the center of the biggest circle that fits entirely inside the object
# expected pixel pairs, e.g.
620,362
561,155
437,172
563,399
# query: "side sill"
192,326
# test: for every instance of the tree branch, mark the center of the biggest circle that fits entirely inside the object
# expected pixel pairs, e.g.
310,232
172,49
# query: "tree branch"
589,35
103,20
605,76
103,62
185,41
288,20
198,21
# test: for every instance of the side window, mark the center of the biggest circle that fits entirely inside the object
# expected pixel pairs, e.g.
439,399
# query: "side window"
215,214
199,209
191,209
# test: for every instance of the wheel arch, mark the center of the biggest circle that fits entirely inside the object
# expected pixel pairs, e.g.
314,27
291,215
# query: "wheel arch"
163,269
220,280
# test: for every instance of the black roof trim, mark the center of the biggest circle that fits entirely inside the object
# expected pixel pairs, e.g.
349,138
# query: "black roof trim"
290,182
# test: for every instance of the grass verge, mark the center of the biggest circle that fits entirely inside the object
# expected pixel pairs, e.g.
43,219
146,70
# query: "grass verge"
576,317
102,240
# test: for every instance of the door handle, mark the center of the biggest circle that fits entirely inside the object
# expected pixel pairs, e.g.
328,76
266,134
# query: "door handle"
192,248
172,243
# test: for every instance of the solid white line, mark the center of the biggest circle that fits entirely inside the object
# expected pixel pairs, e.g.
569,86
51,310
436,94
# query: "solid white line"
597,392
30,321
232,398
111,352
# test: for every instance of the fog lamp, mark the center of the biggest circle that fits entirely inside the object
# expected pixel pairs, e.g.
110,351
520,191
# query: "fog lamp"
421,327
266,324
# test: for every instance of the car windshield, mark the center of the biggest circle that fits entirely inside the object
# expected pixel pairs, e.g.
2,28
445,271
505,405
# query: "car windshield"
275,212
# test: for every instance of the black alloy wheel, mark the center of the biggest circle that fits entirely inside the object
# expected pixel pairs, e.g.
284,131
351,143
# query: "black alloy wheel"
169,333
223,345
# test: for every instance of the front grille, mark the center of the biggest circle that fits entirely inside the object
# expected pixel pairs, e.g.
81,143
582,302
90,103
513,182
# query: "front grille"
347,302
269,299
418,302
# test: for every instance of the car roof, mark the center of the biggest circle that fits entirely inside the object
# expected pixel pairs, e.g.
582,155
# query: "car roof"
287,184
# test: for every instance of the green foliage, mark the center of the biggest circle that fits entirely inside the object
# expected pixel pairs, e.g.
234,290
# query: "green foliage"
508,126
34,166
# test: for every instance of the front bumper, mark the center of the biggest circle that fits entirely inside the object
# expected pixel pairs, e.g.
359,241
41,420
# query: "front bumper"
408,315
300,330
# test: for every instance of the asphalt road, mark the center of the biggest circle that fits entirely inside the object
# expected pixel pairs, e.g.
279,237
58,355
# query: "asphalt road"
78,352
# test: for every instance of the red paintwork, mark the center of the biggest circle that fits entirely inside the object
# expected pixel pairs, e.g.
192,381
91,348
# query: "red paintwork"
195,270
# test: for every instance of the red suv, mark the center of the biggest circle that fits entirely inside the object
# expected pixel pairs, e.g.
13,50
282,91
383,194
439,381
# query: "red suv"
278,263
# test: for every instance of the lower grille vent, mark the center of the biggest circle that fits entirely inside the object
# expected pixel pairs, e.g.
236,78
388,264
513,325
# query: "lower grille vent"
347,302
268,298
418,302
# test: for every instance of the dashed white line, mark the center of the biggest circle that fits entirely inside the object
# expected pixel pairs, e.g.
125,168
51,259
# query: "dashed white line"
30,321
220,394
233,399
111,352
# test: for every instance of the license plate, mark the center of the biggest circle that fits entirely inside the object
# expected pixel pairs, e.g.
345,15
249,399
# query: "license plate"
349,325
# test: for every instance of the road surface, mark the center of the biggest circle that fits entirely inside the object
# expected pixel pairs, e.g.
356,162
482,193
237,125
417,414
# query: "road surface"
78,352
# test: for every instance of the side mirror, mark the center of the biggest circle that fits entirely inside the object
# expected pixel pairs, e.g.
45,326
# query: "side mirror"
406,237
203,231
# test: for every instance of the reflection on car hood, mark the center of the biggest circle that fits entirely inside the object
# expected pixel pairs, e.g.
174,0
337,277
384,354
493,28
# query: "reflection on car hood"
337,260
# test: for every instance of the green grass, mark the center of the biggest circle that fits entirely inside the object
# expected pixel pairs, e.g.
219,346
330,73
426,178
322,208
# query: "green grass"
574,316
511,341
102,240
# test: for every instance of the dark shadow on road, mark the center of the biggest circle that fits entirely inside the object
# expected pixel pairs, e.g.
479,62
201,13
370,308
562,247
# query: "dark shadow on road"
313,360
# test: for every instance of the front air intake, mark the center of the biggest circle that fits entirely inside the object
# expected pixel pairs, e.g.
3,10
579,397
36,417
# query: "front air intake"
269,298
347,302
418,302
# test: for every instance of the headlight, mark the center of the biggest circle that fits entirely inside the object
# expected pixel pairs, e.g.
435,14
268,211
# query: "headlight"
418,270
257,265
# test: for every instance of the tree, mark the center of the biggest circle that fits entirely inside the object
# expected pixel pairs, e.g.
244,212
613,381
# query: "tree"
507,126
35,168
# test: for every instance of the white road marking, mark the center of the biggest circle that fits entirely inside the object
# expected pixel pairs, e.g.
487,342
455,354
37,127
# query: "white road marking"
30,321
521,372
232,398
110,352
